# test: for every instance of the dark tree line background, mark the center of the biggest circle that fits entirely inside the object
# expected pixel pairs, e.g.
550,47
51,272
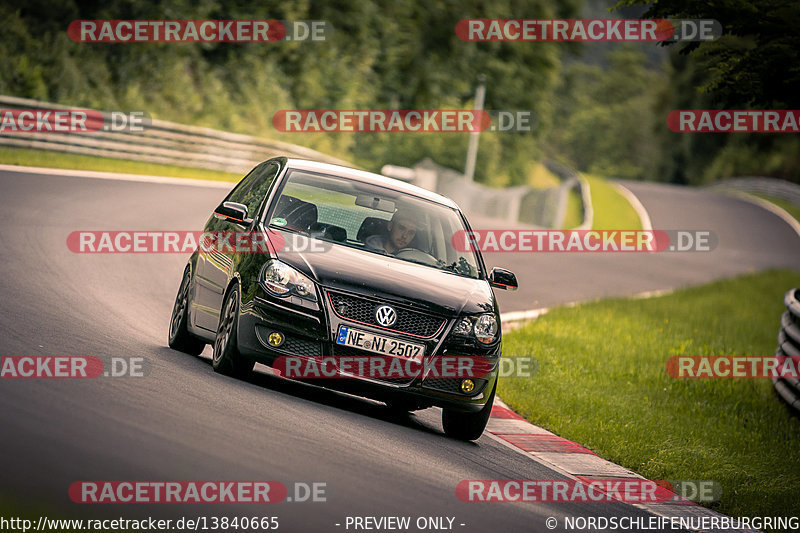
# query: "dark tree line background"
600,107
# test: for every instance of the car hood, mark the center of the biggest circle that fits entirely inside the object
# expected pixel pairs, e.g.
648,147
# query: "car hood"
375,275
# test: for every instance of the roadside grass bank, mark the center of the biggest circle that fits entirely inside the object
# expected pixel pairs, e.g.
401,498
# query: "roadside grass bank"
574,213
611,209
541,178
44,158
602,382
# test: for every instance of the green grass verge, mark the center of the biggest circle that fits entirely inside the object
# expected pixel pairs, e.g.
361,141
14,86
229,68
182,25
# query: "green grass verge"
45,158
602,383
541,178
789,207
611,209
574,214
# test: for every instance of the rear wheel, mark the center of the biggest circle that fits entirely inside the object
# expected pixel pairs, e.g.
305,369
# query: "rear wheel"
467,426
179,336
227,359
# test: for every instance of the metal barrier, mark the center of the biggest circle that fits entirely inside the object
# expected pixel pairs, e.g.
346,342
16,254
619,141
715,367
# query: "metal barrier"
570,180
539,207
160,142
789,346
774,187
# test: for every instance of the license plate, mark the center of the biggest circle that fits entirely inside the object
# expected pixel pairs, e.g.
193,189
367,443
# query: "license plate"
363,340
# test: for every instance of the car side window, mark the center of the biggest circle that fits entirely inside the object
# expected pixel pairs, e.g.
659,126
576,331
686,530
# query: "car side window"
253,188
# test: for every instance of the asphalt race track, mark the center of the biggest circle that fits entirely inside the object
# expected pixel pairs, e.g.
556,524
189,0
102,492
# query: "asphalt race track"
184,422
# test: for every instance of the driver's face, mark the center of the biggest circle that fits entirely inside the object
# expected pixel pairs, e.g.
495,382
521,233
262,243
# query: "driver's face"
401,233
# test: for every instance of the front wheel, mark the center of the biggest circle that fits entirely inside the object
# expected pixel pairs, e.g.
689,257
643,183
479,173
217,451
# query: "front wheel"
179,336
227,359
467,426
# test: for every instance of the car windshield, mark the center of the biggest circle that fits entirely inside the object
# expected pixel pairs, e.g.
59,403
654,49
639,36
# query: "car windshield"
373,218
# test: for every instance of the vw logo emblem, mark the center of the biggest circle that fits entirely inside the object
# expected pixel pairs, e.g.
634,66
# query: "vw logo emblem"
385,315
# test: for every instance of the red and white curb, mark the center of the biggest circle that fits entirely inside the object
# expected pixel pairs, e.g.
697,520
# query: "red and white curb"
579,463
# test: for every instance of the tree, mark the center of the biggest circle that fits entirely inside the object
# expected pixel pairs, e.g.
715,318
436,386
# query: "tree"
755,62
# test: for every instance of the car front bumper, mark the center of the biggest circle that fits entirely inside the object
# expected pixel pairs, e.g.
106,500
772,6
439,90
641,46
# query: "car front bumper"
309,335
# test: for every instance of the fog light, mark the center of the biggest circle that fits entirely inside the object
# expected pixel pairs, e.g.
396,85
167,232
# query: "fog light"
467,386
275,338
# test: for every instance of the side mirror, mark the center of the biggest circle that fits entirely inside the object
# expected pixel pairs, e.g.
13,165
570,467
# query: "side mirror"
233,211
503,279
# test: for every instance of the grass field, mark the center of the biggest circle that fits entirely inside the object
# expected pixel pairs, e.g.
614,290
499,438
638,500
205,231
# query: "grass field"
602,383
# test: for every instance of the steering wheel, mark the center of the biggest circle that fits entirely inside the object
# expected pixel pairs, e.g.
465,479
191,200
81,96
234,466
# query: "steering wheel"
416,255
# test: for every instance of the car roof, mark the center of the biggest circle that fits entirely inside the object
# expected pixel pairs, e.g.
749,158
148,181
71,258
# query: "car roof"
371,178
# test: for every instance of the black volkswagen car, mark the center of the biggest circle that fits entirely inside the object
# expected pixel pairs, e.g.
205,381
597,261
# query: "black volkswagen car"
350,279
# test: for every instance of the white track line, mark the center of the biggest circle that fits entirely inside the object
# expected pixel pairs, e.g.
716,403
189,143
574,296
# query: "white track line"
637,206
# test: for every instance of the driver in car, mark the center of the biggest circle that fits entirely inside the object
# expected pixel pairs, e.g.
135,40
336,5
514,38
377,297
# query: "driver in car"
400,231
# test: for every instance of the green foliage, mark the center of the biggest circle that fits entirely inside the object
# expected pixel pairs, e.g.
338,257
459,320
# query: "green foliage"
603,117
402,55
752,65
699,158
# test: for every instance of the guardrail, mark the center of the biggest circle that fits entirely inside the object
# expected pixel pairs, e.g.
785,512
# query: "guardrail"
539,207
170,143
777,188
570,180
161,142
789,346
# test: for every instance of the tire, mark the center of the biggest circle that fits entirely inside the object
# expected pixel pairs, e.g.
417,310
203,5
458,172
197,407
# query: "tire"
467,426
179,337
227,359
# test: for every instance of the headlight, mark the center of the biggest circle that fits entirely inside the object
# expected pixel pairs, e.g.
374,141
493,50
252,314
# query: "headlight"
483,327
463,328
281,280
486,328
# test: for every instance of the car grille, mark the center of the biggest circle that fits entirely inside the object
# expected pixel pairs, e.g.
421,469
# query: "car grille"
291,345
346,351
363,310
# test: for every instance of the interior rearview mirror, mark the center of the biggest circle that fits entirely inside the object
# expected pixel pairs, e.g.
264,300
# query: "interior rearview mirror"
374,202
